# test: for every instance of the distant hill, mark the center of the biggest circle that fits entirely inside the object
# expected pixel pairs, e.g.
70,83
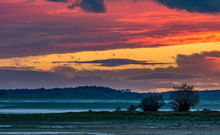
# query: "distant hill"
211,93
91,92
78,92
203,94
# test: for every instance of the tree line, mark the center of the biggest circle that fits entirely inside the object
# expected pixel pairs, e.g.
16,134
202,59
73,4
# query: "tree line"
182,99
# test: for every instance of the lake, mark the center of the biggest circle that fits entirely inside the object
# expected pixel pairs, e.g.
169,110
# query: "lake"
61,105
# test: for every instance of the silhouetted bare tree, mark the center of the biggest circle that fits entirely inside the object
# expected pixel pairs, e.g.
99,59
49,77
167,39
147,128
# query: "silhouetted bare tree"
132,108
152,103
118,109
183,98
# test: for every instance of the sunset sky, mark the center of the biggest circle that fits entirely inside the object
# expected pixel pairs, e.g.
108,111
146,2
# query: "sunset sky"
142,45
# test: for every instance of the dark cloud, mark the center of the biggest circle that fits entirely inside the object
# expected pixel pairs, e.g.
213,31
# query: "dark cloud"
202,6
111,78
113,83
112,62
97,80
95,6
200,63
165,76
31,79
17,68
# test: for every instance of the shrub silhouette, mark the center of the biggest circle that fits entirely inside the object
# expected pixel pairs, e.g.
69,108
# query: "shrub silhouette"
152,103
118,109
183,98
132,108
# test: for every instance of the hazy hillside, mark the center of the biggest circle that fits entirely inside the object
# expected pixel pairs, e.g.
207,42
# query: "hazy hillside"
203,94
78,92
90,92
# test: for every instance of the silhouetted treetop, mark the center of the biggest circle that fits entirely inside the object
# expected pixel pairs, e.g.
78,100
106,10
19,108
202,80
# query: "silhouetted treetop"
152,103
184,97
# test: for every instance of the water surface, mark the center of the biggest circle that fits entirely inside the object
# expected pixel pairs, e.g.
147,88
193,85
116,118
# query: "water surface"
61,105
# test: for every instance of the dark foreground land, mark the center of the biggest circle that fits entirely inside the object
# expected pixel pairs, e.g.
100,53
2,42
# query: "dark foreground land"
112,123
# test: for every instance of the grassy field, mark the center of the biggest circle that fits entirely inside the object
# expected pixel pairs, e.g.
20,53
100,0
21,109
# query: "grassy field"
112,116
112,123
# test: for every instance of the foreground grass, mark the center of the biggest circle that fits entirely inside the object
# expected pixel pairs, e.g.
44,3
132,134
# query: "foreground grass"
111,117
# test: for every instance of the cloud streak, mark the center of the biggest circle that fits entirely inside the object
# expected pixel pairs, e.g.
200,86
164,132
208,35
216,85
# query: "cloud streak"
112,62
